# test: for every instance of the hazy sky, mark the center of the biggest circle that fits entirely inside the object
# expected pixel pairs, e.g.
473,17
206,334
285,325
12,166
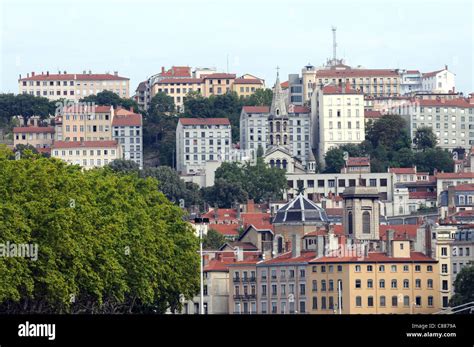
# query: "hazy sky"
138,37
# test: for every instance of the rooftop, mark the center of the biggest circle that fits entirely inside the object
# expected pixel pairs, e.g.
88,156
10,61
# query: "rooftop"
84,144
76,77
204,121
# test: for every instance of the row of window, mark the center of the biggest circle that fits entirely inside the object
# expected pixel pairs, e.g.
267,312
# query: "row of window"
71,83
394,284
331,183
395,301
92,152
284,308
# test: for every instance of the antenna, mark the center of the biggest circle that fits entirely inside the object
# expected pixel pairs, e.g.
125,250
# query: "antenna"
334,44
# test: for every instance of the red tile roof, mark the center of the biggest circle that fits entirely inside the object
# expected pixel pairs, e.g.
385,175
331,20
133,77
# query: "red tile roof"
431,74
358,161
177,71
33,129
285,85
247,81
339,90
402,170
219,75
204,121
86,144
300,109
126,118
304,257
442,102
372,114
400,230
454,175
225,229
44,150
77,77
258,220
222,214
216,265
80,108
464,187
179,80
422,195
375,257
256,109
348,73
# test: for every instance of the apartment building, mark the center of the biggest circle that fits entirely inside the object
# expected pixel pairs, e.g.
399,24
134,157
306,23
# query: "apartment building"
247,84
87,154
84,123
397,282
337,117
440,81
243,286
72,86
463,249
178,88
452,120
38,137
372,82
127,130
199,140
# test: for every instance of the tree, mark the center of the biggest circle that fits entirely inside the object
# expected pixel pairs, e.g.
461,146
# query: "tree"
109,98
161,105
25,105
261,97
224,194
389,131
213,240
125,166
434,158
463,286
424,138
111,242
334,159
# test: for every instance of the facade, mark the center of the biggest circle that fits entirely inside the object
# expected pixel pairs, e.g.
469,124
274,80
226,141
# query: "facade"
372,82
246,85
277,126
452,120
82,123
199,140
338,118
72,86
463,250
243,287
410,82
127,131
441,81
177,88
88,154
456,199
38,137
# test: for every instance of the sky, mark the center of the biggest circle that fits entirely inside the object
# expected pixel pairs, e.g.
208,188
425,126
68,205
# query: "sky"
138,37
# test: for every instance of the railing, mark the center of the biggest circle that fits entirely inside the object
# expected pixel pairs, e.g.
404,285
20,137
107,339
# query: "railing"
236,279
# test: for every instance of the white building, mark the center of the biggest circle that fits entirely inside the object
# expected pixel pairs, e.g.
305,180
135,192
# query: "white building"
199,140
452,120
441,81
127,130
87,154
338,118
410,81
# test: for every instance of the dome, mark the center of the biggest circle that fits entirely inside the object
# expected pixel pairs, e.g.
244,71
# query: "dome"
301,210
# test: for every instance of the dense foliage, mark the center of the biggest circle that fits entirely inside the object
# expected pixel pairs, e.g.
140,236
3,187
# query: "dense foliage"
388,144
107,242
464,286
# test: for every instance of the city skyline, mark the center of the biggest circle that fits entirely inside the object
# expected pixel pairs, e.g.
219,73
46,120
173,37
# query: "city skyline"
121,38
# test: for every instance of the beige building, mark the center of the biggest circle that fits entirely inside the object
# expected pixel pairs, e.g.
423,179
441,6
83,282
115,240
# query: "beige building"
87,154
403,282
247,84
38,137
373,82
177,88
72,86
82,123
338,118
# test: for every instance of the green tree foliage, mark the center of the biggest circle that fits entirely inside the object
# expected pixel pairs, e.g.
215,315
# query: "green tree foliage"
26,105
125,166
213,240
261,97
107,242
424,138
173,187
109,98
159,131
388,145
260,181
463,286
224,193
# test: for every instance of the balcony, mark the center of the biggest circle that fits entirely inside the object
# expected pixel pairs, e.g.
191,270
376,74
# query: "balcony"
249,297
238,297
236,279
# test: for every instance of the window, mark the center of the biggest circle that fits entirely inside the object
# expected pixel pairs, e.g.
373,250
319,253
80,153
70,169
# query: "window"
429,268
382,283
430,301
357,268
429,283
382,301
315,303
370,301
393,268
406,284
370,284
417,283
381,268
358,284
394,284
366,222
406,301
394,301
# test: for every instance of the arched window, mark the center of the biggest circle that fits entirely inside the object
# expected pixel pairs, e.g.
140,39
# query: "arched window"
366,222
278,139
278,163
278,129
272,163
350,224
277,112
285,140
271,139
285,163
280,245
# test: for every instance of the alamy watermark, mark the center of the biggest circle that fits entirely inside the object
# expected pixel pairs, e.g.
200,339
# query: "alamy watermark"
19,250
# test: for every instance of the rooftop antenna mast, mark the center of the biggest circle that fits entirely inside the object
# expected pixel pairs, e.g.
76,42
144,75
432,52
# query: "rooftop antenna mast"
334,44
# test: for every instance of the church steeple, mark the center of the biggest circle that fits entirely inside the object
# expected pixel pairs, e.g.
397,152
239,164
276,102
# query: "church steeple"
278,108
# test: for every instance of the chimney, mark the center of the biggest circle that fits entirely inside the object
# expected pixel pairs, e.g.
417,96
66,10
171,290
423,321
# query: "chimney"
320,246
428,240
445,67
237,208
420,238
65,72
250,206
389,235
115,73
162,69
240,253
216,213
19,77
90,72
33,74
47,73
27,74
131,109
295,246
84,72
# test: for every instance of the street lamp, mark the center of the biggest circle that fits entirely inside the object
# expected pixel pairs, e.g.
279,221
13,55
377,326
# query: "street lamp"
201,222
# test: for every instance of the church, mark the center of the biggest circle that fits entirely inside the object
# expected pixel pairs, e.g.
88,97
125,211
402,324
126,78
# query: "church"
282,133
